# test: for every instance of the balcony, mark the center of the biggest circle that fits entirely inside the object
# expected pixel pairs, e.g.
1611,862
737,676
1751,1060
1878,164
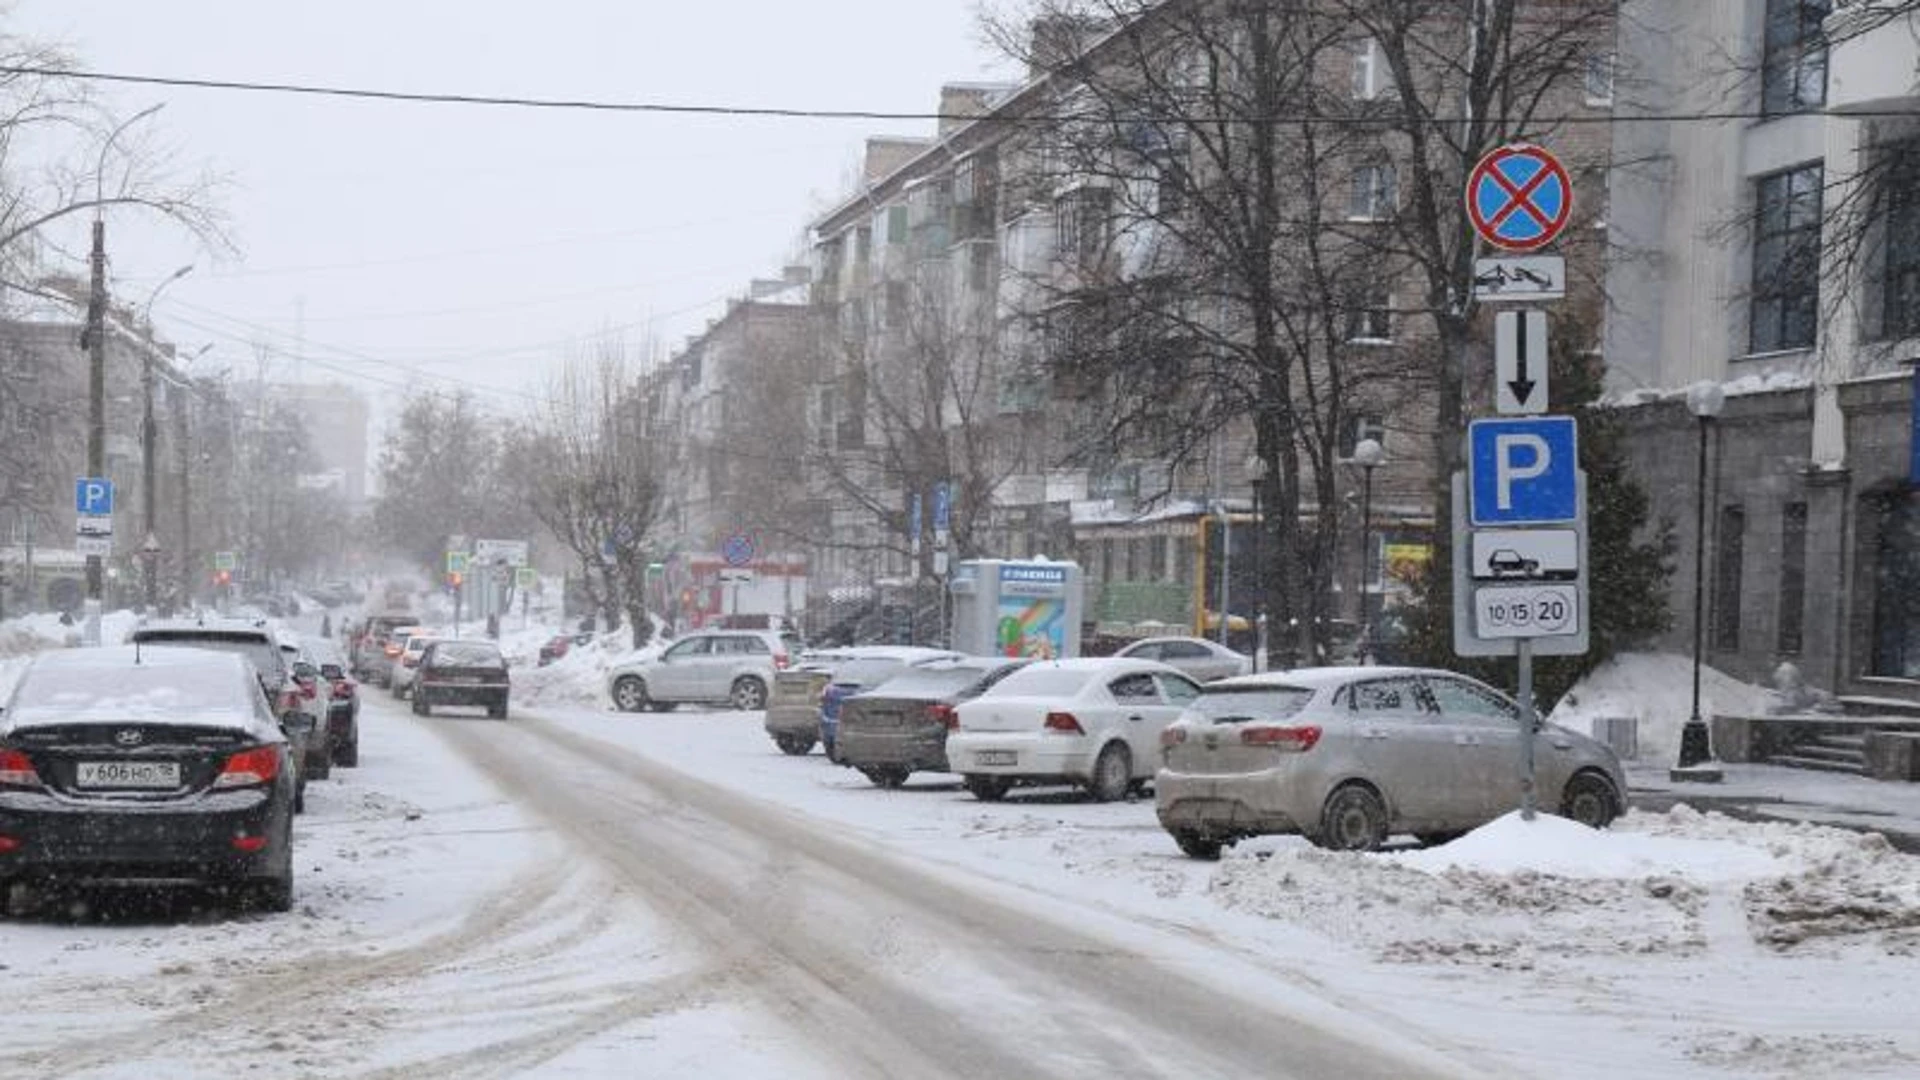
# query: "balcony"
1874,57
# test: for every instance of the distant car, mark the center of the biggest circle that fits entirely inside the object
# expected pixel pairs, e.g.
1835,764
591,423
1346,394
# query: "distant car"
307,724
734,668
461,673
859,673
405,665
1092,722
372,658
899,727
1347,756
557,646
1204,660
150,764
343,709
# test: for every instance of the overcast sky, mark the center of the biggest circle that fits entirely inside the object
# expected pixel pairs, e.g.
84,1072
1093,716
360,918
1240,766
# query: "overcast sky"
450,244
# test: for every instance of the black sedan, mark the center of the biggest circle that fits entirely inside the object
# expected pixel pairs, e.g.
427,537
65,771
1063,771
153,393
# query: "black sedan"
900,726
147,764
461,673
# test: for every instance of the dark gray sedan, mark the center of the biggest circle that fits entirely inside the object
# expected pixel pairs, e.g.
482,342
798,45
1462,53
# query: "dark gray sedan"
900,726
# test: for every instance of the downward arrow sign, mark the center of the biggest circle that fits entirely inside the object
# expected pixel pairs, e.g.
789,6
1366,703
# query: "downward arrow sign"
1522,384
1520,345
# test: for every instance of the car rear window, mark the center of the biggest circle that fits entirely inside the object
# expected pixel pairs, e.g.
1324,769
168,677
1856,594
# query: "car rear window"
266,656
934,682
466,654
151,692
1234,704
867,672
1044,680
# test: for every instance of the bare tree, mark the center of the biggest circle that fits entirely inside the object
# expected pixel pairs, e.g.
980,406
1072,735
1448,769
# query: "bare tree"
586,468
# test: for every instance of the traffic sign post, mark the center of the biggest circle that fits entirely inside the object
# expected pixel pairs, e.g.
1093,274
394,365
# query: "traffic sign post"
1519,197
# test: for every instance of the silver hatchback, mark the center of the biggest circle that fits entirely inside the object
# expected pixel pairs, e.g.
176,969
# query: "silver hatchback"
1347,756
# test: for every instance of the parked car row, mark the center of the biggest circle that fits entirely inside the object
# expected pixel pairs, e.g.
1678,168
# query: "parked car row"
180,756
1345,756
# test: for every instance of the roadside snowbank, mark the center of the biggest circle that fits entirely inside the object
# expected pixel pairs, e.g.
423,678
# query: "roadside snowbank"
1515,894
580,677
1657,690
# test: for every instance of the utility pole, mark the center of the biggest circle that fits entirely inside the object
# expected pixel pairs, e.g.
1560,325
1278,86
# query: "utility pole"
95,340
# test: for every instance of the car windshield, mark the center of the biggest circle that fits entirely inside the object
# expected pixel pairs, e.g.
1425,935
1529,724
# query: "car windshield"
1224,704
466,654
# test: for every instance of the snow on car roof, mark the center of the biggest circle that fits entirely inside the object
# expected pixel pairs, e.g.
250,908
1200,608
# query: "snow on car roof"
149,684
1320,676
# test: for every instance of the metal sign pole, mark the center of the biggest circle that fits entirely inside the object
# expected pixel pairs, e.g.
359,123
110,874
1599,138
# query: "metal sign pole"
1528,796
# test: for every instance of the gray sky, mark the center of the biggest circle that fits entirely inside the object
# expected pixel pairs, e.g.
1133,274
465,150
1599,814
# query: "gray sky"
475,244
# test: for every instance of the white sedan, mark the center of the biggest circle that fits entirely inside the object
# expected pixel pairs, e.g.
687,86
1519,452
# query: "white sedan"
1204,660
1094,722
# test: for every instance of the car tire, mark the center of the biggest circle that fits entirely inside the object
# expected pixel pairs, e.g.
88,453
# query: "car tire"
630,694
1198,845
886,776
748,695
1112,773
1589,799
347,754
987,788
300,796
321,767
796,745
421,706
1353,819
497,712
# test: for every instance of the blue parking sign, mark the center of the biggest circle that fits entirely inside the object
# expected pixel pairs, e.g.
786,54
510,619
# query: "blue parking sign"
1523,471
93,495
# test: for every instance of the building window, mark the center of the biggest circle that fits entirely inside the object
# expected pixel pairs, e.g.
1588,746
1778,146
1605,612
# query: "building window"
1900,277
1794,73
1598,80
1793,576
1374,194
1356,427
1372,75
1786,260
1370,320
1728,568
1080,224
896,224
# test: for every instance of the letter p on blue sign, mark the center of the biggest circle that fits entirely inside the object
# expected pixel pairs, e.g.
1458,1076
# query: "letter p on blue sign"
1523,471
93,495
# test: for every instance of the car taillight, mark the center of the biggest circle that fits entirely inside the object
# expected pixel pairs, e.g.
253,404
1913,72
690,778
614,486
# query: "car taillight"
781,660
1064,722
289,701
249,767
16,770
342,688
1172,737
8,843
946,715
392,651
1293,739
309,689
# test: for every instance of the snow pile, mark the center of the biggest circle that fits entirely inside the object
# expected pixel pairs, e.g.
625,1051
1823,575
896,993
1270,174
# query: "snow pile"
580,677
1657,690
43,630
1522,895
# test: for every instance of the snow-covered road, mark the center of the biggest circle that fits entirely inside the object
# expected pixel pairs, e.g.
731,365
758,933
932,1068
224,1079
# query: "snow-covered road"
581,893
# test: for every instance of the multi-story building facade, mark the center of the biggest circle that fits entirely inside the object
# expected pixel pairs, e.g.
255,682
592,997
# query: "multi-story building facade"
1766,236
336,419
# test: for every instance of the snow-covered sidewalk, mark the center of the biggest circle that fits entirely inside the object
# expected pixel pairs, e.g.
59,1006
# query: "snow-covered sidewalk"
1675,944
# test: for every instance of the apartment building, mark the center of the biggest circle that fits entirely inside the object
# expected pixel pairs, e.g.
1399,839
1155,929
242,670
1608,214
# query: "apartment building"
1765,226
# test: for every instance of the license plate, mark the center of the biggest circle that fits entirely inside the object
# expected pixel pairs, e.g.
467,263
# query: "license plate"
128,774
884,719
995,757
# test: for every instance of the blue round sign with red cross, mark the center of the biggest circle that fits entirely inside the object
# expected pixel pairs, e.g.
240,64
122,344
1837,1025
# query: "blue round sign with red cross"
1519,197
738,549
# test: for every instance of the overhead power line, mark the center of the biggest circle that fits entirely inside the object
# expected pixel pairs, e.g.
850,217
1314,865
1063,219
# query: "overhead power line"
788,113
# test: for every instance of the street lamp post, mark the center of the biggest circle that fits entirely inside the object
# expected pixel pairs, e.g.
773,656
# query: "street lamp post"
1257,478
149,431
1704,400
1369,455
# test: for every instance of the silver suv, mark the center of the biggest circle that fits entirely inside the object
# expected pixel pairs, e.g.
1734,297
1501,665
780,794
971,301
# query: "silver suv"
709,667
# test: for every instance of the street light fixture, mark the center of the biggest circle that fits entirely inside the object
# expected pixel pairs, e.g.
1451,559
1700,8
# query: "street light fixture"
1704,400
1256,469
1369,455
149,429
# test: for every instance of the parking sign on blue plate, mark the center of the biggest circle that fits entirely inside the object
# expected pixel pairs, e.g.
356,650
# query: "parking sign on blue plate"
1523,471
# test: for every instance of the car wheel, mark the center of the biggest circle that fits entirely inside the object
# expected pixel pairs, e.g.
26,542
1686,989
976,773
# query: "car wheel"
1112,774
497,712
1354,819
1197,845
988,788
886,776
749,694
347,754
300,797
320,767
797,745
630,694
1590,800
422,707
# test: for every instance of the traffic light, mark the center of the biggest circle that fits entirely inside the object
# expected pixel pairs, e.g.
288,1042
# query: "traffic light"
223,577
454,579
